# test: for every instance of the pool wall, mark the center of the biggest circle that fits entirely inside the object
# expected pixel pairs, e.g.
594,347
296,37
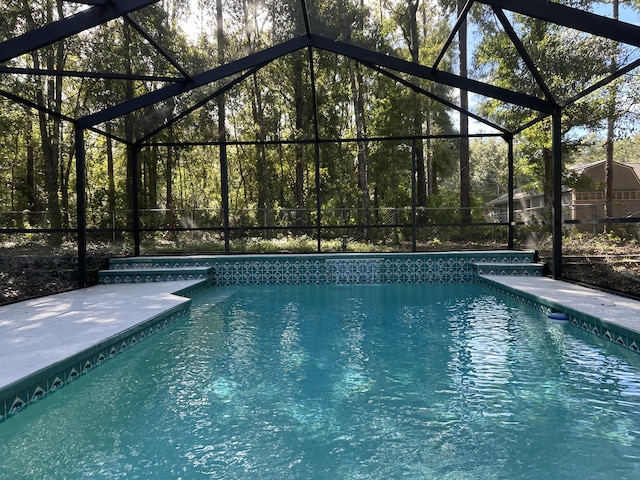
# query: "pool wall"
309,269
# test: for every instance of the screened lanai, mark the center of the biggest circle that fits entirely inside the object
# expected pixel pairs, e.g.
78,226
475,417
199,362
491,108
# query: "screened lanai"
255,111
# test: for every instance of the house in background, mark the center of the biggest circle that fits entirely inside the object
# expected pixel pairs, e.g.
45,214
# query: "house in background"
583,202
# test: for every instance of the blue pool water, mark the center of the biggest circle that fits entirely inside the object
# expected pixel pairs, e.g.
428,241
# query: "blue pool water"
343,382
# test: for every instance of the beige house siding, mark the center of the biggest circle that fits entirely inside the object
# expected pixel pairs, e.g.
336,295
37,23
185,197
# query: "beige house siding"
589,204
582,204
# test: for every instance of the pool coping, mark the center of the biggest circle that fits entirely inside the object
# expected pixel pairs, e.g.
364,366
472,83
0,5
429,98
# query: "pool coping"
612,317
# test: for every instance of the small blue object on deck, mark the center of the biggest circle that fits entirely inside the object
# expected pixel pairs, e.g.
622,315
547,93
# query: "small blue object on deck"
558,317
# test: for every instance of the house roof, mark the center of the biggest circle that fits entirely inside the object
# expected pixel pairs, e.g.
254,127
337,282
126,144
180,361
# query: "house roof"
584,166
635,167
517,195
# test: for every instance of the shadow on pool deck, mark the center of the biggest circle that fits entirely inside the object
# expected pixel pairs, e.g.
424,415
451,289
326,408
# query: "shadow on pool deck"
38,333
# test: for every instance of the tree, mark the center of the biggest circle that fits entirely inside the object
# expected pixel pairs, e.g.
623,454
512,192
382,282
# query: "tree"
49,92
352,23
568,63
465,175
611,125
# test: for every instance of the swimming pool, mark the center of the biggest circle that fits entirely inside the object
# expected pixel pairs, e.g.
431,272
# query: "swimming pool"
344,381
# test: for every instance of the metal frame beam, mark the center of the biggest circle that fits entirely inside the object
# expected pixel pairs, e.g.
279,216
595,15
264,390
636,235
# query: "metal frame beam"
81,207
605,81
159,48
454,31
510,187
556,147
436,98
370,57
200,80
522,51
35,106
572,18
66,27
199,104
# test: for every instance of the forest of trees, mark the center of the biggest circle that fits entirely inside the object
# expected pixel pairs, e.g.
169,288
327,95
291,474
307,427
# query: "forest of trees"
375,130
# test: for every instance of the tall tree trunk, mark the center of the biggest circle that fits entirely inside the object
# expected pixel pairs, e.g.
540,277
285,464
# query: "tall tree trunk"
65,173
32,199
152,177
264,190
128,119
465,174
170,219
356,83
222,128
432,176
611,125
50,95
547,160
111,182
363,148
257,110
418,116
301,128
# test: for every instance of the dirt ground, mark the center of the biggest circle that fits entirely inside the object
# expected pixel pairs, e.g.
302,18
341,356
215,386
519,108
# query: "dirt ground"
602,262
25,275
617,273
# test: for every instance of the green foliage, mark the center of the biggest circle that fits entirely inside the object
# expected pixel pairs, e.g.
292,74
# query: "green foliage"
271,183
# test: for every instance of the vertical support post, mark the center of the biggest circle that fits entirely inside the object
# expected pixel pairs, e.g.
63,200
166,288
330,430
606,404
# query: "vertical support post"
318,198
224,182
510,185
556,147
135,188
316,144
414,216
81,207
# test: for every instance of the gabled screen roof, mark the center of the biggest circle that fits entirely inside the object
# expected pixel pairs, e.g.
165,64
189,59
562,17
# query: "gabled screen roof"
150,63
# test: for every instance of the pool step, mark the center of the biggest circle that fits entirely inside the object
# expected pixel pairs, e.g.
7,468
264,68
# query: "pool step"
501,268
158,262
154,274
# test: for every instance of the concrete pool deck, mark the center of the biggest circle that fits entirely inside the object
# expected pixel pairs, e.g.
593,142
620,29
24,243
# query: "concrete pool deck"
38,334
616,310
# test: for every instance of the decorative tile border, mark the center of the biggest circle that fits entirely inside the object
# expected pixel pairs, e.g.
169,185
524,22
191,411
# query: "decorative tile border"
154,274
527,269
17,396
317,269
594,325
